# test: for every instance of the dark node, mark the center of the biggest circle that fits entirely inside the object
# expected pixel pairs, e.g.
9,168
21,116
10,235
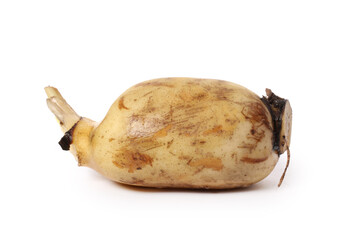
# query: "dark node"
67,139
276,106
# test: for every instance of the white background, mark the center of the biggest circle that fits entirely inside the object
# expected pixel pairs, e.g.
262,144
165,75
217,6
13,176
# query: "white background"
94,50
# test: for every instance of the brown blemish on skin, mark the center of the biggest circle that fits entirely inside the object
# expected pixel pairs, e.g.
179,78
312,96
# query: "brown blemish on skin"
230,121
143,144
185,95
80,161
198,170
198,142
161,173
169,143
234,156
111,139
223,93
144,132
164,174
211,162
121,104
117,164
192,94
200,96
136,181
256,135
163,132
253,160
187,158
216,130
147,93
257,114
187,119
250,146
132,160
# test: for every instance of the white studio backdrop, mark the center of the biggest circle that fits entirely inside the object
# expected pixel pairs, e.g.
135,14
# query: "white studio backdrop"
94,50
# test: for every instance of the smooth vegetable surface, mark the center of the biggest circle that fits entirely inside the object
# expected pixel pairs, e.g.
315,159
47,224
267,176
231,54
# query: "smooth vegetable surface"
181,133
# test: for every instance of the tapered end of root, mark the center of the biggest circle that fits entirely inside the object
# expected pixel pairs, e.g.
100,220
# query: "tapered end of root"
64,113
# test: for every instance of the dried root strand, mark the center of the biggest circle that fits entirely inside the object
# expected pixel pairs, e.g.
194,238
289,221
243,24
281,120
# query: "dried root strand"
288,162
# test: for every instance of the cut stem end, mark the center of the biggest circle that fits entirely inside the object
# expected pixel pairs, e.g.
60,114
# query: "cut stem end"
64,113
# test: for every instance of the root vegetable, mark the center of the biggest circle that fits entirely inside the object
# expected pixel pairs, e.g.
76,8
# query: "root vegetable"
180,133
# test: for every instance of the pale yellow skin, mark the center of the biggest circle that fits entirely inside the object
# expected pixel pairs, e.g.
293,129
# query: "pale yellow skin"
181,133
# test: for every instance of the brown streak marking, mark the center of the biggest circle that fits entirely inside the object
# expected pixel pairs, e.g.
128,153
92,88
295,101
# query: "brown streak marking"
132,160
163,132
200,96
121,104
80,160
211,162
181,121
230,121
117,164
248,146
147,93
223,92
235,157
258,116
169,143
253,160
188,158
155,146
217,129
136,181
198,170
165,175
256,113
257,135
198,141
192,110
